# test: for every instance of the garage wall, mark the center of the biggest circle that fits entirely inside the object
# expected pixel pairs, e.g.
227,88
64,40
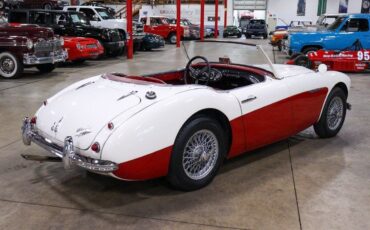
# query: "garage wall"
287,9
354,6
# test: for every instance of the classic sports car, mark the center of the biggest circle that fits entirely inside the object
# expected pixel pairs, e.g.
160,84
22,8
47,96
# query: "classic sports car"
80,49
352,59
182,124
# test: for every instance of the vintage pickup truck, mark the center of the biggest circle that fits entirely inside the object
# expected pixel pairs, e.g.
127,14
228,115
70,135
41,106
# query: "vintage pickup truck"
339,35
28,46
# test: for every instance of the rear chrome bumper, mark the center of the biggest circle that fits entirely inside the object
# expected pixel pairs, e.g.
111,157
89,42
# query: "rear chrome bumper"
67,152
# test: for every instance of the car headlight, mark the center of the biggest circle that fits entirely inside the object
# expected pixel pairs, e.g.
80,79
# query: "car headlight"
29,44
79,46
61,39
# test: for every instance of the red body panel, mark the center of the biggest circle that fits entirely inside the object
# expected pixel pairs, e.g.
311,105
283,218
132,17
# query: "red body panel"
80,48
164,29
261,127
344,61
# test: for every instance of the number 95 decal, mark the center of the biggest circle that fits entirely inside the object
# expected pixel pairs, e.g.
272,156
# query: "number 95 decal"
363,55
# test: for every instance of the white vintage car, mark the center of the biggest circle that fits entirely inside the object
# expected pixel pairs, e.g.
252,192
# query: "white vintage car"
182,124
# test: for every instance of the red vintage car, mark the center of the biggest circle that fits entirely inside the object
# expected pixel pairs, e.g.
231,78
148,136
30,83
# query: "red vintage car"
80,48
352,59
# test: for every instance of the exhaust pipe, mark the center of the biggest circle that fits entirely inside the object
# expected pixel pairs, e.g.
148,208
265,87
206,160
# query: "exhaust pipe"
41,158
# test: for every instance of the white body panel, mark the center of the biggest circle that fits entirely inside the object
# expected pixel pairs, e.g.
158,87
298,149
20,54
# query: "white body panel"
143,126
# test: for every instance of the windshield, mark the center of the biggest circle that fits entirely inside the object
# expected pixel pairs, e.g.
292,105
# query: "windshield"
336,24
104,14
78,18
236,52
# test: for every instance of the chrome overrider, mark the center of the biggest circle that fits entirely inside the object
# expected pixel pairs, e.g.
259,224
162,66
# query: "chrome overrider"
67,152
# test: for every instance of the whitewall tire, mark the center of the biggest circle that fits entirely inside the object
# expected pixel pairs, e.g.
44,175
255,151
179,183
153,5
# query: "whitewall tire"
10,66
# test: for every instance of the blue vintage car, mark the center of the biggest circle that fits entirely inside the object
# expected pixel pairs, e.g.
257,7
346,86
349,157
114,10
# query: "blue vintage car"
339,35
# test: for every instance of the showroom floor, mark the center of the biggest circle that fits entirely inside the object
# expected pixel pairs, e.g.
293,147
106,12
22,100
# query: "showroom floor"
300,183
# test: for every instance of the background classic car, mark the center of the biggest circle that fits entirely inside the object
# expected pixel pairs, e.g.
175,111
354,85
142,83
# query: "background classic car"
339,35
200,113
28,46
81,49
68,23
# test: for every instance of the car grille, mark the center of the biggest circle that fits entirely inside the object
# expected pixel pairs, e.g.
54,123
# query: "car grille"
91,46
47,45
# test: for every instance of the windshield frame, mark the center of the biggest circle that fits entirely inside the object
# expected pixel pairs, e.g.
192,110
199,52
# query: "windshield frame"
275,75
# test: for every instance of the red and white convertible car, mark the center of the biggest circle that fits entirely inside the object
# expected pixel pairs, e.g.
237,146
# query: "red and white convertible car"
182,124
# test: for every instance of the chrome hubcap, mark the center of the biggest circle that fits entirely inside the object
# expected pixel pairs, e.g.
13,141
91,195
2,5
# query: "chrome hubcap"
7,65
173,39
335,113
200,154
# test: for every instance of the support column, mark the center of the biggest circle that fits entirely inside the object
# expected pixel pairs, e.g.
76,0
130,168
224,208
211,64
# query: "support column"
130,43
225,14
201,20
178,26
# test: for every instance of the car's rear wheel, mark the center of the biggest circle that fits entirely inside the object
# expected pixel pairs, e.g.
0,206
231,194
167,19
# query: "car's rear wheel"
310,49
333,114
172,38
46,68
10,66
303,60
197,154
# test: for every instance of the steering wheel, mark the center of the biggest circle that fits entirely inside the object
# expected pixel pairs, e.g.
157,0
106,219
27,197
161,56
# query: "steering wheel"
202,74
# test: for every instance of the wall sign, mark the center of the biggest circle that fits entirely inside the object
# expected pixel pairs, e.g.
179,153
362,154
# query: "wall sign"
301,8
365,7
343,6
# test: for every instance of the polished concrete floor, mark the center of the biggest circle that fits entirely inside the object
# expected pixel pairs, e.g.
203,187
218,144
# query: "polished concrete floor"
300,183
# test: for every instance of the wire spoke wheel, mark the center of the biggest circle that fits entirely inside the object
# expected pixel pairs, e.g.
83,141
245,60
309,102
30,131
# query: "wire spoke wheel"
200,154
335,113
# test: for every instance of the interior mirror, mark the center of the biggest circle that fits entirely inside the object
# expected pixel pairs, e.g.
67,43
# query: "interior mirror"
322,68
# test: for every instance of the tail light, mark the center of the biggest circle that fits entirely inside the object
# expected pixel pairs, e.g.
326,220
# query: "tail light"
33,120
95,147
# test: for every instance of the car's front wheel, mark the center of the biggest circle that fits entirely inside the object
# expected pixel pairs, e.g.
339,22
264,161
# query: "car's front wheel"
198,152
10,65
333,114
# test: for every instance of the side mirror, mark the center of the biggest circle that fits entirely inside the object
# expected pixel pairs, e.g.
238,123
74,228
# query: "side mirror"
322,68
95,18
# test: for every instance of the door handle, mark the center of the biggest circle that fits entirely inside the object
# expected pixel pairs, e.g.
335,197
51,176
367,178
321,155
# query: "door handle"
249,98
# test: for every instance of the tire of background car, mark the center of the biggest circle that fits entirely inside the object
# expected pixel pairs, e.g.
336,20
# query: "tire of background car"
182,177
47,6
225,35
293,56
239,35
265,36
248,36
309,49
333,114
280,46
46,68
172,38
303,60
79,61
13,67
2,4
117,52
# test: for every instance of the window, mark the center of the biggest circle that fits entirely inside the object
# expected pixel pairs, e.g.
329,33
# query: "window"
104,14
356,25
42,18
71,9
18,17
90,14
321,7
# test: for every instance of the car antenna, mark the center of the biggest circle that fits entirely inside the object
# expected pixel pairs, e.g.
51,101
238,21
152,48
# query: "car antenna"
186,52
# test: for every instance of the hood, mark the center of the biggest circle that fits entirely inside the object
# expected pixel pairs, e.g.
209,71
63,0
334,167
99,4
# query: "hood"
17,29
86,108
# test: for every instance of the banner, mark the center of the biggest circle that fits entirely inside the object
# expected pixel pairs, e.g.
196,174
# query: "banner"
365,7
343,6
301,8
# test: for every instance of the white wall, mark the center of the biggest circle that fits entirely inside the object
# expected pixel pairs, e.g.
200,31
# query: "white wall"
287,9
189,11
354,6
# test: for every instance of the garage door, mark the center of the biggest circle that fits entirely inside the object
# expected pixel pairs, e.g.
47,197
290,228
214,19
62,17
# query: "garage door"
250,5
